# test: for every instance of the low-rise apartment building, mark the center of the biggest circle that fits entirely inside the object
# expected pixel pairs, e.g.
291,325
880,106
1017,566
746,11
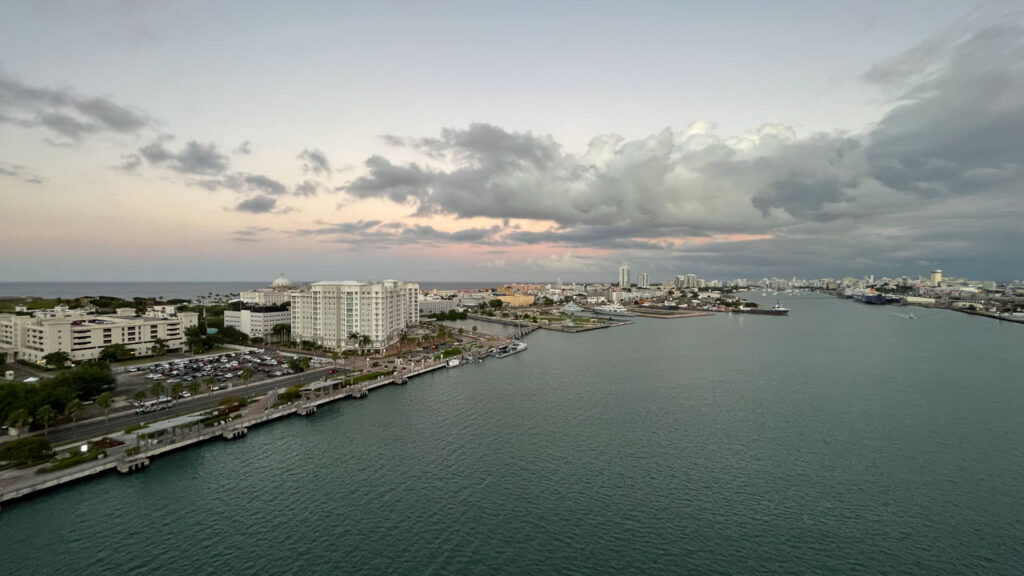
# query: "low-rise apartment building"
83,336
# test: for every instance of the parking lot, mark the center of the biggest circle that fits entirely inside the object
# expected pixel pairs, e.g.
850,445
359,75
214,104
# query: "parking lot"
225,370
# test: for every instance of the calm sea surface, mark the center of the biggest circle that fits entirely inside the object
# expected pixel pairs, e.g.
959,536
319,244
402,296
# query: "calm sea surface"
844,439
166,290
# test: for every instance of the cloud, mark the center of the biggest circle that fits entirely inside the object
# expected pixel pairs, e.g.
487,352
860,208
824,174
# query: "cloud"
195,158
377,233
243,149
316,162
23,173
951,144
307,188
64,112
130,162
257,205
264,184
250,234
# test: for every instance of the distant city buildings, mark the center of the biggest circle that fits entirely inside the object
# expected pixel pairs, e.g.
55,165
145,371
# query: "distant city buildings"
643,281
624,277
936,278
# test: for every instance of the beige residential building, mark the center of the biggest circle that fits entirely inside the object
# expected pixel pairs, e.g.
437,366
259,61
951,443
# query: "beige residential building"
329,312
83,336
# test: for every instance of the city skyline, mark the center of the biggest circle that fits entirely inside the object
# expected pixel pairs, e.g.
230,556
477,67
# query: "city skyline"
471,143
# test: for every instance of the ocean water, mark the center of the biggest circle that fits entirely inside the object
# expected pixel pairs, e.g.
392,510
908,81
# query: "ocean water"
165,290
843,439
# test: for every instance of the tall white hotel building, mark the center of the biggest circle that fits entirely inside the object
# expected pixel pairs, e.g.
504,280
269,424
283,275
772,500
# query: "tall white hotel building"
329,311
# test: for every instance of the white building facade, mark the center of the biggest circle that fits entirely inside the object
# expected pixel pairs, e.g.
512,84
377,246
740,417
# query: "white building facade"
330,312
84,336
257,322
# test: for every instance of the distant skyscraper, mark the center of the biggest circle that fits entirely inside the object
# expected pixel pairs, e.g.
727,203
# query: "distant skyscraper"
624,277
643,280
936,277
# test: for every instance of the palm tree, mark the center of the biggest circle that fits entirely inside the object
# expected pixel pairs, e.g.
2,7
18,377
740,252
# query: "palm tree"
176,389
353,337
105,401
246,375
334,357
140,396
73,410
403,339
365,342
19,419
44,415
193,387
209,383
157,389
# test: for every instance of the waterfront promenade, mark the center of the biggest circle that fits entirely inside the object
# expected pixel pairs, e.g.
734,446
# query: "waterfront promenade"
139,447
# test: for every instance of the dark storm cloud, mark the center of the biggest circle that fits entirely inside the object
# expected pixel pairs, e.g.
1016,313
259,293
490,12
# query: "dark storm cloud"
257,205
64,112
316,162
195,158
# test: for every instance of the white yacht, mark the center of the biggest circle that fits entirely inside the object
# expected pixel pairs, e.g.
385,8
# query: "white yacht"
571,308
612,310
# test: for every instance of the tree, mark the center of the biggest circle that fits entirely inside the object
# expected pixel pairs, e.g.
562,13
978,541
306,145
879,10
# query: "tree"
73,410
194,339
156,390
335,356
403,339
139,396
45,414
257,341
496,303
474,328
176,389
19,419
364,343
193,387
115,352
57,359
282,332
294,364
105,401
159,346
353,338
209,383
246,375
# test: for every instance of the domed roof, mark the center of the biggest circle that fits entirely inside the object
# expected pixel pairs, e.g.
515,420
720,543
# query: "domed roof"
281,282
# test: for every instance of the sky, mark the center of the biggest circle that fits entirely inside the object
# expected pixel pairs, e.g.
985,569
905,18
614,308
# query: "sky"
482,141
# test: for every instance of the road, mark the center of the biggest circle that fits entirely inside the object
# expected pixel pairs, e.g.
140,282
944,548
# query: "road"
97,427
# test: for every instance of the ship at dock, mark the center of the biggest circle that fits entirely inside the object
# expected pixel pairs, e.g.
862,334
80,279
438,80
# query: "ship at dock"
509,349
776,310
612,310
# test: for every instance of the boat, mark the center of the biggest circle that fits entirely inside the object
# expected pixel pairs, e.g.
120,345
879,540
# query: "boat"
453,362
613,310
911,316
510,349
776,310
571,308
